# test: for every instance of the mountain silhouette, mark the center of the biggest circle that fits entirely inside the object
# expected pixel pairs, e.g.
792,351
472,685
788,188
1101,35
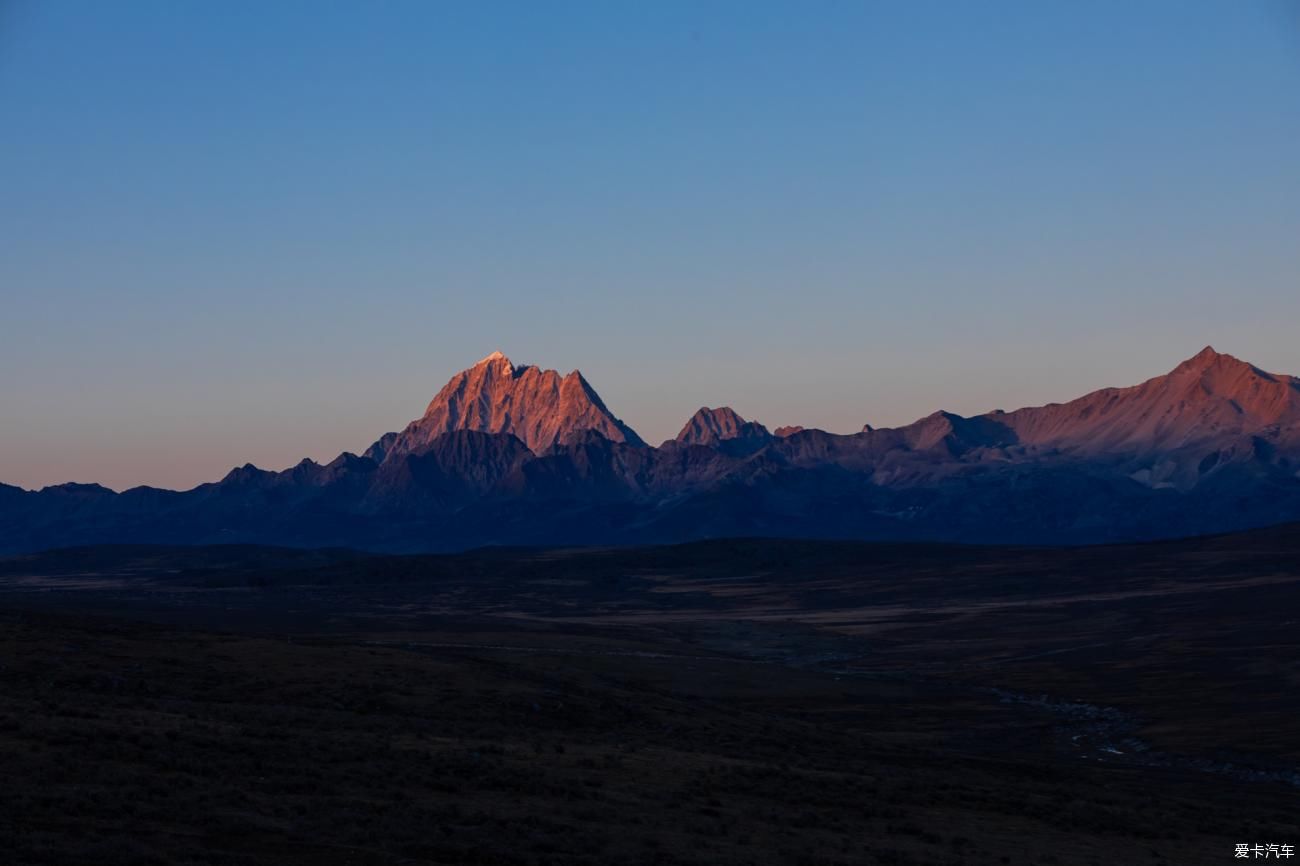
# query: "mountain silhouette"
510,454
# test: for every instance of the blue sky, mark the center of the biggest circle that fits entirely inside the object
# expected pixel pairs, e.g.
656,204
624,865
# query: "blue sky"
247,231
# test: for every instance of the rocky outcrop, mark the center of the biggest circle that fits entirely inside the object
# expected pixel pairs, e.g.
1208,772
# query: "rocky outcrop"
539,407
711,426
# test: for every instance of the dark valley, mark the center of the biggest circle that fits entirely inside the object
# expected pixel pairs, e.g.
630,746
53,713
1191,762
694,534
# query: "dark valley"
720,702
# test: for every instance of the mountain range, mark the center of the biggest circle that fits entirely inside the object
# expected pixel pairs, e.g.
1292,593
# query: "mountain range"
513,454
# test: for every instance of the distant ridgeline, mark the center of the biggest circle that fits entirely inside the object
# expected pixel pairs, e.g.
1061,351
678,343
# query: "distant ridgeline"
517,455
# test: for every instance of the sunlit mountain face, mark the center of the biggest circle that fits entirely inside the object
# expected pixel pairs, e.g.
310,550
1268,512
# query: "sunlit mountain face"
514,454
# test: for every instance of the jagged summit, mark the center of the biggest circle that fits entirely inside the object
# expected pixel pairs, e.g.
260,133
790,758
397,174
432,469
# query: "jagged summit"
539,407
498,360
711,426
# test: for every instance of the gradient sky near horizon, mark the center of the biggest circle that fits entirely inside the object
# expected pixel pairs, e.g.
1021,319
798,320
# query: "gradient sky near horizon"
249,231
